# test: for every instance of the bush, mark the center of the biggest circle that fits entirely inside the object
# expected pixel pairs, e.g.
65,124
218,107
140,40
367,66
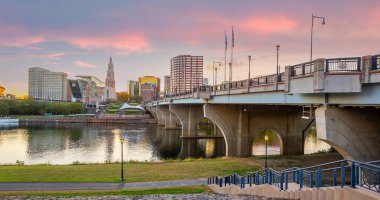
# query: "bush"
32,107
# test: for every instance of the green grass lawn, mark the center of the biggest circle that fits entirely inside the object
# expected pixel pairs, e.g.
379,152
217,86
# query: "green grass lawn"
134,172
173,190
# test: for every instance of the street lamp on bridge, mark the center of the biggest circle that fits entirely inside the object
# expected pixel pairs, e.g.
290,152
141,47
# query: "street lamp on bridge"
215,72
277,66
311,34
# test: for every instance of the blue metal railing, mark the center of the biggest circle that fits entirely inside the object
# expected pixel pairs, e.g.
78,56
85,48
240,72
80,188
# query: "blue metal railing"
339,173
376,62
343,64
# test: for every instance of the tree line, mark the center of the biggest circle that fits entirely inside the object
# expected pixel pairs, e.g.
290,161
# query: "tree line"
33,107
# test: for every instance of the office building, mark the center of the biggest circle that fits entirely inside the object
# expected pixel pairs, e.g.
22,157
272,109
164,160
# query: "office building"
205,81
151,80
186,72
47,85
133,88
167,84
2,89
149,92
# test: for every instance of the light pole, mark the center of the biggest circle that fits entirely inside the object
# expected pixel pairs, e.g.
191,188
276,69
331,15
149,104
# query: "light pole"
214,72
311,34
266,151
277,67
122,168
249,71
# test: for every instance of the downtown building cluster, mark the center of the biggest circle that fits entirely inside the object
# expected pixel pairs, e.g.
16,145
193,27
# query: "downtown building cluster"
55,86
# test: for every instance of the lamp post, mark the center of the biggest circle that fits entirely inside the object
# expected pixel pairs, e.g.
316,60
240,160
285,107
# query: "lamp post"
122,168
214,72
277,66
249,72
266,151
311,34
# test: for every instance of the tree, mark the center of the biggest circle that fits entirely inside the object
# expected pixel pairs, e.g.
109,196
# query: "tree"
136,99
122,96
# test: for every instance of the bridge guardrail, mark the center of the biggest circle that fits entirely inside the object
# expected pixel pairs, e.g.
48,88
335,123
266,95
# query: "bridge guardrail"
343,64
376,62
302,69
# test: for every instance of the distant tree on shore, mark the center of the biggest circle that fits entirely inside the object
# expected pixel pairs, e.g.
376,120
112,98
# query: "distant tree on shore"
33,107
123,97
135,99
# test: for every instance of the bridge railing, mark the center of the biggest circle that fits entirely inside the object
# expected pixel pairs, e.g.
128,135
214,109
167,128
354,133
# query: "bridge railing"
339,173
302,69
343,64
376,62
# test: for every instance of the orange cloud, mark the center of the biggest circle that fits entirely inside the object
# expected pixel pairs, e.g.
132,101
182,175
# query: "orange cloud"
125,43
271,24
84,64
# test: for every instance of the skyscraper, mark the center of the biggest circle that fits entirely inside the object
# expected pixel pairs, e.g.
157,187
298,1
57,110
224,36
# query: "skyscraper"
167,84
110,92
47,85
186,72
133,88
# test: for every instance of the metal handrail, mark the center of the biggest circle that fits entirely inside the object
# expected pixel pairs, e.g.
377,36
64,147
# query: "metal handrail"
343,64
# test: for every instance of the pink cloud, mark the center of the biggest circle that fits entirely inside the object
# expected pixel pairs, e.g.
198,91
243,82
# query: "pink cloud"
84,64
274,24
124,43
21,41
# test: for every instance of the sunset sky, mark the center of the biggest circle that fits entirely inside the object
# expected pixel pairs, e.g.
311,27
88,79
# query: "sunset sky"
78,37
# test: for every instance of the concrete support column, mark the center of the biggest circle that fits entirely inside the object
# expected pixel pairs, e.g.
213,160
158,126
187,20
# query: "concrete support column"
287,124
319,74
354,133
366,69
287,76
233,122
160,117
169,118
189,115
150,109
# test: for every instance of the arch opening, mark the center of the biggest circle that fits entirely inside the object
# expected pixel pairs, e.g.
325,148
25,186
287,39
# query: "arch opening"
274,144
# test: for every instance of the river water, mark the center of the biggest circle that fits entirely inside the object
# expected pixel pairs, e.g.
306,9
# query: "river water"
97,143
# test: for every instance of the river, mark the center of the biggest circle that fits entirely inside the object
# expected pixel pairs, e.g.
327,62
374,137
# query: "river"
97,143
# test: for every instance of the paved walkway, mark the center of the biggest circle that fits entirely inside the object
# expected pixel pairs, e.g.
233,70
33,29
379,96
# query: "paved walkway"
97,186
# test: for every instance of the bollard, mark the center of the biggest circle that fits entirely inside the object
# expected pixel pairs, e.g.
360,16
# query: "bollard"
319,178
220,182
250,181
282,182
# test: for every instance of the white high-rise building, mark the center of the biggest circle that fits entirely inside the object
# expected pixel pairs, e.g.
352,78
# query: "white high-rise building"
47,85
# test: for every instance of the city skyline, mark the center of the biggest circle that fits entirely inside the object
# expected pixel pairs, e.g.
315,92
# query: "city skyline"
78,38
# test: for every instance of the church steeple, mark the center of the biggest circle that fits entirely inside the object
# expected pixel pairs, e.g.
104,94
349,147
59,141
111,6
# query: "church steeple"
110,79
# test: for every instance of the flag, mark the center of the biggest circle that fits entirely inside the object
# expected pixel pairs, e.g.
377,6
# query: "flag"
233,38
225,39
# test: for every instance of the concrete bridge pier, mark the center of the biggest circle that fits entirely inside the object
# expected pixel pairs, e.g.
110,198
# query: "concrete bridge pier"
353,132
169,117
159,115
233,123
285,121
189,116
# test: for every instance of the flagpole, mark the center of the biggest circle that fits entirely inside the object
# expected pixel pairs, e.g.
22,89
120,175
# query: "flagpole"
225,56
232,53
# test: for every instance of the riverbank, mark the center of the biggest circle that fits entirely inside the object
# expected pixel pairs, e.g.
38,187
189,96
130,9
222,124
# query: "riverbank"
188,169
109,119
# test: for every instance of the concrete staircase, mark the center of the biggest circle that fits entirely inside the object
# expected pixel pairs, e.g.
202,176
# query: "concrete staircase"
293,192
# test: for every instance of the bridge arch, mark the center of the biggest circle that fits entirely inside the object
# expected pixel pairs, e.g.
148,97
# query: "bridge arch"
275,142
